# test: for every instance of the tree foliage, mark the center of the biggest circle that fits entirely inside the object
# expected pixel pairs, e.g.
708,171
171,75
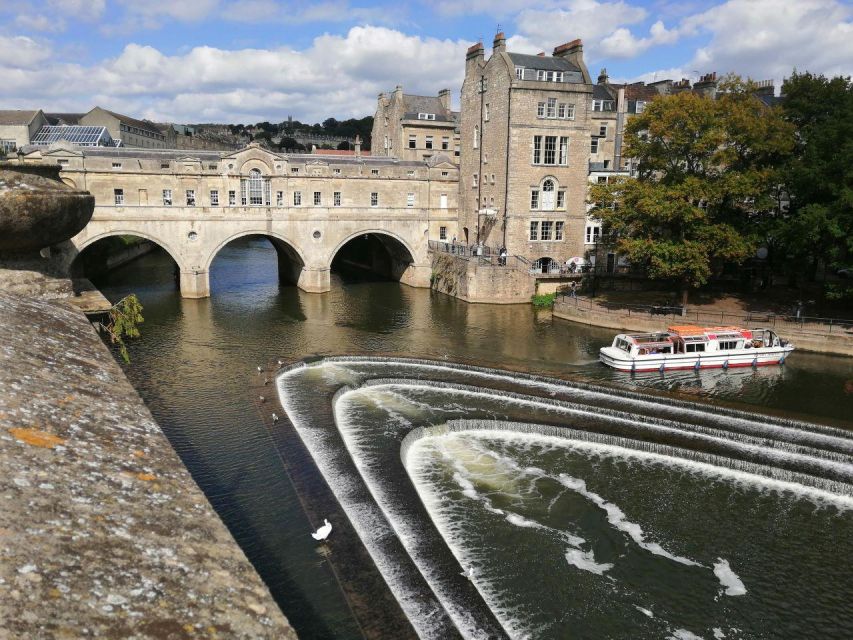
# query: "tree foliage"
123,321
818,224
708,175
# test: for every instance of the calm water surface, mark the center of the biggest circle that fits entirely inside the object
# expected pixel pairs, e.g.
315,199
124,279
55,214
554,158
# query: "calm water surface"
192,365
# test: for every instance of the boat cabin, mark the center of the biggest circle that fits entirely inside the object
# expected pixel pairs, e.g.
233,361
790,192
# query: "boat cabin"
690,339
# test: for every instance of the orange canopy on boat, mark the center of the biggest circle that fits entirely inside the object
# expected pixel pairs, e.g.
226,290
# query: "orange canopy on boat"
687,330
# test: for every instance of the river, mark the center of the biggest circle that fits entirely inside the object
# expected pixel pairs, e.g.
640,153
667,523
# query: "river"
194,359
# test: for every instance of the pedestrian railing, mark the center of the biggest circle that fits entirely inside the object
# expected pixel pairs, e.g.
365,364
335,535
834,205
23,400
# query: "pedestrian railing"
706,317
465,251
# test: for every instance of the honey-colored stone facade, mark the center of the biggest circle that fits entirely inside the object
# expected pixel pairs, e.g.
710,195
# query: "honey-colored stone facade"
499,171
192,204
399,132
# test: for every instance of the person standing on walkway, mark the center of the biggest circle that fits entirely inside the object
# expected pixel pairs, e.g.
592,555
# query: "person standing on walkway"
573,290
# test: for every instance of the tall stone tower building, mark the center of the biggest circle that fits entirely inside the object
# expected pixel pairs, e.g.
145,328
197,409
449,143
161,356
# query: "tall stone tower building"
525,147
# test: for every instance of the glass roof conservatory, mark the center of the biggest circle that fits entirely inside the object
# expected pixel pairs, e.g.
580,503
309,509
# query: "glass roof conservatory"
82,136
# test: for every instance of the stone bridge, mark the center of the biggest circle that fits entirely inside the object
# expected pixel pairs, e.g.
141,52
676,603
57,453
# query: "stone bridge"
306,241
193,203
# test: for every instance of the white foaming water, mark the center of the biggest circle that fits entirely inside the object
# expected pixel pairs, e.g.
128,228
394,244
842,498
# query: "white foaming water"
616,517
728,578
585,561
647,612
718,633
356,444
367,520
684,634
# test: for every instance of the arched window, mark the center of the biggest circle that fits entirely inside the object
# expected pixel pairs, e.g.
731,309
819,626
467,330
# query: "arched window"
255,190
476,136
256,187
548,195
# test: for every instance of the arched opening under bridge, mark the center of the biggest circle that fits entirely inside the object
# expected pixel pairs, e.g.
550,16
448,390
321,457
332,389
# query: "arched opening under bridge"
125,259
254,260
371,256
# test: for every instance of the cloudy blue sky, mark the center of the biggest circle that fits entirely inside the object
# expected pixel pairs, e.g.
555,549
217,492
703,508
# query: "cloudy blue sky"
252,60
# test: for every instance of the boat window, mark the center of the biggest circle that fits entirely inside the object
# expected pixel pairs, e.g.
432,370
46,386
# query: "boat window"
624,345
728,344
698,346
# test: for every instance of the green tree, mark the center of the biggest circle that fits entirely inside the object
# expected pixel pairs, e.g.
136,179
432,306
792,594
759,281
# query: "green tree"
818,225
708,173
123,321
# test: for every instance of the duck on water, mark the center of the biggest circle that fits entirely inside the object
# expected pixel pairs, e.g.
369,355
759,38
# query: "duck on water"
694,347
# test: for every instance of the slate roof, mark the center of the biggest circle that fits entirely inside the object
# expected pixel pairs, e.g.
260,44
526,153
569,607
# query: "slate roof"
640,91
546,63
603,92
133,122
64,118
414,105
208,156
17,116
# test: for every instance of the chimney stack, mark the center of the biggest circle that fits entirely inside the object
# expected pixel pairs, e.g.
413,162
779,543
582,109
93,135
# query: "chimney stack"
444,97
358,145
474,56
573,52
499,44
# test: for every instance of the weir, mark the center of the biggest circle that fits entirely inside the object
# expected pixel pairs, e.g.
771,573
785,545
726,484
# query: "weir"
382,409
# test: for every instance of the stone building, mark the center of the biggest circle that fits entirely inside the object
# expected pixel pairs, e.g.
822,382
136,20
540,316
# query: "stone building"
131,132
18,127
525,151
413,127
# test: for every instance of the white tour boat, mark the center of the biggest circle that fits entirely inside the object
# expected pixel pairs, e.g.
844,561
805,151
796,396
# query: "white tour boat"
693,347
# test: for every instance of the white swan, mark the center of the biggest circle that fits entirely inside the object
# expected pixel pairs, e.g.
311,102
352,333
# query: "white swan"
323,532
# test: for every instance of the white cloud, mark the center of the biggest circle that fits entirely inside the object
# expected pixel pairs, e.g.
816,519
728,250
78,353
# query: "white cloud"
768,38
589,20
39,22
623,44
88,10
150,13
338,75
20,52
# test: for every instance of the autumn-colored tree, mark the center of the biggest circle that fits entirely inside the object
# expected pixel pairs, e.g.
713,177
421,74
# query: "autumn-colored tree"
708,171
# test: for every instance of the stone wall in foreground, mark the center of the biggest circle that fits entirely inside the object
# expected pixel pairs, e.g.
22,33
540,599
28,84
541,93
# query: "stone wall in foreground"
103,533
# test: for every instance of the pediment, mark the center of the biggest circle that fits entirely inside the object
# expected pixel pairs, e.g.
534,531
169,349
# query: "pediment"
61,149
253,154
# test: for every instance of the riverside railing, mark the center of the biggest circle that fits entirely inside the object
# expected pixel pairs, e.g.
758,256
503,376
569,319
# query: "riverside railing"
488,257
810,324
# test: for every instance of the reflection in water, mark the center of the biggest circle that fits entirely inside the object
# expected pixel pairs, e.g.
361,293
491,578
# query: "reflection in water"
192,364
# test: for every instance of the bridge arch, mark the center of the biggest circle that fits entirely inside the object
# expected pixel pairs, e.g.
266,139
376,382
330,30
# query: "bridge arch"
279,241
291,261
82,244
379,251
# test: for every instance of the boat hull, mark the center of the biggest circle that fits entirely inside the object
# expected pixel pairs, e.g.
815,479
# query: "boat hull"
760,357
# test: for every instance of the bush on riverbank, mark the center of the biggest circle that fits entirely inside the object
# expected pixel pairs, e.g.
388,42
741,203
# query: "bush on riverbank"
544,301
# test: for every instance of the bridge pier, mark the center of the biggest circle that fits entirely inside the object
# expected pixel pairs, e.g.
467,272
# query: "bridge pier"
195,284
315,280
417,275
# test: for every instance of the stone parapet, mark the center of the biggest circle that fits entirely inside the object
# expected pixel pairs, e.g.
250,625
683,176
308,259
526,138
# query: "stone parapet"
103,532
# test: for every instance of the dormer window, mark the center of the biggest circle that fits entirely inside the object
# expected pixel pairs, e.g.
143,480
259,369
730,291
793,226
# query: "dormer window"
426,116
602,105
549,76
519,73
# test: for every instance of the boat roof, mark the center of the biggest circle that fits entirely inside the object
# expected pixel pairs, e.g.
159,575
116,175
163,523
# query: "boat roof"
684,330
